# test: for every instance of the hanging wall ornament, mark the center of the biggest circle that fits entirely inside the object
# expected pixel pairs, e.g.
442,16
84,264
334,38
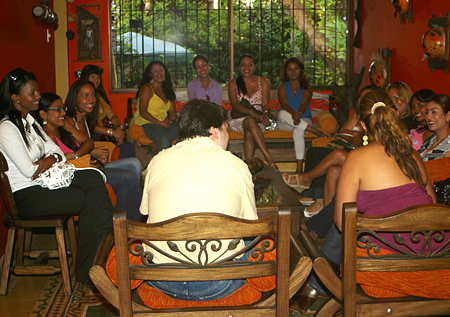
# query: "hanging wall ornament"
435,43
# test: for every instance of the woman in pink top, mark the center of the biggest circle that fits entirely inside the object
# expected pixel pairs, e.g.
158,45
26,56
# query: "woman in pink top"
51,115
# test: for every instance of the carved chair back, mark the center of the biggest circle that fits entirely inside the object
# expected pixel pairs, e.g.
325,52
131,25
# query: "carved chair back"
417,234
203,234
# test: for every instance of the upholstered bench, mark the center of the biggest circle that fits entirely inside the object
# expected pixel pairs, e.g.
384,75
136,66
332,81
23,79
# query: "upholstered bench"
275,139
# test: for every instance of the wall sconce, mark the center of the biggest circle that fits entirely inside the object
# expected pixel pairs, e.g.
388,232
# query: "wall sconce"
42,12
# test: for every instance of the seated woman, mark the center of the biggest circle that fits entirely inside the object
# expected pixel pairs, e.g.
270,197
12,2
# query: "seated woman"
438,117
51,116
116,133
204,87
323,167
382,177
400,95
30,152
294,94
81,103
418,105
156,106
251,120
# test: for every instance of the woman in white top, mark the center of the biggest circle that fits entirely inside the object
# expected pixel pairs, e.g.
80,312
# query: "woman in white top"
30,152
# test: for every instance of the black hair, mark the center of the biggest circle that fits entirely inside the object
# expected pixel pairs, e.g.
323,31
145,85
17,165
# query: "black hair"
423,95
72,106
240,83
198,116
196,58
47,100
10,85
443,101
87,71
167,84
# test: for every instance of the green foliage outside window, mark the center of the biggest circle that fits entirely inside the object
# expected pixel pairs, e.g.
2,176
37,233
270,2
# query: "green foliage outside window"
272,31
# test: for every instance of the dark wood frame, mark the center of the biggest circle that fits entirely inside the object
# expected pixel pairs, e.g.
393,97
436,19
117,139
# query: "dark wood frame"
291,266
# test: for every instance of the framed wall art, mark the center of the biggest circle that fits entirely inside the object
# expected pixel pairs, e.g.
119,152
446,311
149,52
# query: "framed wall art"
89,45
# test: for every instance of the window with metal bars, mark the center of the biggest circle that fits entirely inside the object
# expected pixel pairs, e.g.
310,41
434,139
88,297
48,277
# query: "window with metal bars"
174,31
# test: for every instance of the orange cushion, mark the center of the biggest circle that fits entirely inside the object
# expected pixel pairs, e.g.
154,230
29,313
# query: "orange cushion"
438,169
112,195
111,267
430,284
249,293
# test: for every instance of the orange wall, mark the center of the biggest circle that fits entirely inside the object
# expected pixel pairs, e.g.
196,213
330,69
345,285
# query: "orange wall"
381,29
23,43
118,101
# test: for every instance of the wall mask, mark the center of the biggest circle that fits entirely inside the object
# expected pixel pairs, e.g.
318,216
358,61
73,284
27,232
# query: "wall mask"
433,43
378,71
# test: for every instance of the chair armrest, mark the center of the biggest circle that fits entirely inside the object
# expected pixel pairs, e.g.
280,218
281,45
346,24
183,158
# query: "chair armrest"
309,245
101,257
323,268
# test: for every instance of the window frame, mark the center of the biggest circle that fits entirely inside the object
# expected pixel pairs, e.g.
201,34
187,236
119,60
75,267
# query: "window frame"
181,92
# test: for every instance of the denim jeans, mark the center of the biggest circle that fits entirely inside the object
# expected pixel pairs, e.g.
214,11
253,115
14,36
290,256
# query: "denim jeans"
127,190
131,163
200,290
332,250
163,138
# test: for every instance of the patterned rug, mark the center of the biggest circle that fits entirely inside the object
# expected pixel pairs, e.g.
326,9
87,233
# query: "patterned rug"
53,302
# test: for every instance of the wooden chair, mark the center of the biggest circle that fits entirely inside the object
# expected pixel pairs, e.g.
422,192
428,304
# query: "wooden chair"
23,242
418,222
291,266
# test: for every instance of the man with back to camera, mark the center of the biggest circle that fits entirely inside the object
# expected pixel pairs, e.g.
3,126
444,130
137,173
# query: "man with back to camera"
198,174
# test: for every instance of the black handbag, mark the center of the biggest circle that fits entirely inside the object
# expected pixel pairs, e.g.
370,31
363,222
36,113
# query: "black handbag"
442,190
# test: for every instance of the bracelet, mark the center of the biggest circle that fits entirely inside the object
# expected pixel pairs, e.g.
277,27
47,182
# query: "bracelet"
56,156
76,156
109,132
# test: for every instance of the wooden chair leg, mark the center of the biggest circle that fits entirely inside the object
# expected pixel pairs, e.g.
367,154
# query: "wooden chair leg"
19,246
28,237
72,240
7,261
63,259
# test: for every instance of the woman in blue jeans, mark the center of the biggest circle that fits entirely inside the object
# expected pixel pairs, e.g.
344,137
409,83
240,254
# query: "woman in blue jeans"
123,180
156,106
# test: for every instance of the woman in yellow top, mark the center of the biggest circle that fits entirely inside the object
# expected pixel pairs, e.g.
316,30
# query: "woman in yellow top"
156,106
93,73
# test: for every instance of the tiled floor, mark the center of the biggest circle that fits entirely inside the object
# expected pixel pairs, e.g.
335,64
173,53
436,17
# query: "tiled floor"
23,291
22,295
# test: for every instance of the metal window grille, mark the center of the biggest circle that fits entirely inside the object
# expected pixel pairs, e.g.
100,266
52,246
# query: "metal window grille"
174,31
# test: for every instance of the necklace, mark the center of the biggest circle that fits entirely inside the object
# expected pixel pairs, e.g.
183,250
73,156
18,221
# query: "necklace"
435,144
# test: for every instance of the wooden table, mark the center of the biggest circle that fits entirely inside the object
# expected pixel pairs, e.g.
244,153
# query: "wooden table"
281,194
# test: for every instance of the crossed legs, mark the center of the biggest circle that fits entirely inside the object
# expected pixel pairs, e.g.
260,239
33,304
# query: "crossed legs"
254,136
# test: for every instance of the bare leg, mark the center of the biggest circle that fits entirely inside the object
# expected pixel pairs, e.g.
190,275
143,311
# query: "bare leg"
249,144
251,125
335,158
331,183
299,169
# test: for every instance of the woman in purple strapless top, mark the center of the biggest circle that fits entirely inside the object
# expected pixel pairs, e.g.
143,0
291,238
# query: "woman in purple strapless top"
384,176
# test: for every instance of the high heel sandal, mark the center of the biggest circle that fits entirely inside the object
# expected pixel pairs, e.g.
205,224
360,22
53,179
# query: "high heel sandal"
297,186
305,297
